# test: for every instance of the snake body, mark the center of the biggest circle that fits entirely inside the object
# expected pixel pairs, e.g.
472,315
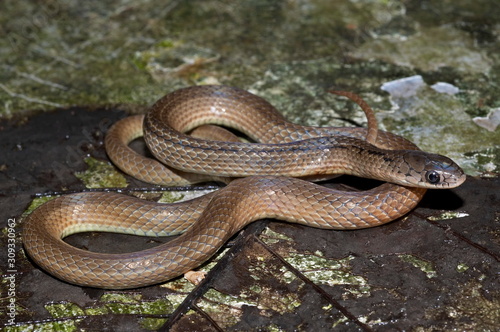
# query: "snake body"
261,190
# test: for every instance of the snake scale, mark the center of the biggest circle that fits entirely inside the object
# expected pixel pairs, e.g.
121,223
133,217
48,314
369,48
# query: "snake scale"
263,182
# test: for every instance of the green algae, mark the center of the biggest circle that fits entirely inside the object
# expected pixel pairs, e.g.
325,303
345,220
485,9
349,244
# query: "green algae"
462,267
226,309
38,202
171,197
133,304
101,174
321,270
62,310
316,267
111,303
425,266
116,303
270,237
449,215
223,307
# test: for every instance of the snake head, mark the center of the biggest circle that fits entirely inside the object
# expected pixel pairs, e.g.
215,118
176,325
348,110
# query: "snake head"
428,170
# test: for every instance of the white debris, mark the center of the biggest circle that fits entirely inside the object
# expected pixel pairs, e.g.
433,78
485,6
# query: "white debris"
491,121
443,87
404,87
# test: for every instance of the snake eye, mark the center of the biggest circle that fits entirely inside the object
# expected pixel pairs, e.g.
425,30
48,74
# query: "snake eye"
432,177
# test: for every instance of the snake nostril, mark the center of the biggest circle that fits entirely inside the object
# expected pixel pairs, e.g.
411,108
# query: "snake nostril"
432,177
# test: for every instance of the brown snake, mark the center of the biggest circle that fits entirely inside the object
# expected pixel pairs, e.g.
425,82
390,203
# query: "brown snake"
284,149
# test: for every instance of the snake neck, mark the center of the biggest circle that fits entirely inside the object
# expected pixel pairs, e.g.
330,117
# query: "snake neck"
357,157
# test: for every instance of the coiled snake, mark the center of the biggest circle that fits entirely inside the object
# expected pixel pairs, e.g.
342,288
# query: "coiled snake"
266,187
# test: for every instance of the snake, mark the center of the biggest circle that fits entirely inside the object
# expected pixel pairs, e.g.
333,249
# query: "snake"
266,176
